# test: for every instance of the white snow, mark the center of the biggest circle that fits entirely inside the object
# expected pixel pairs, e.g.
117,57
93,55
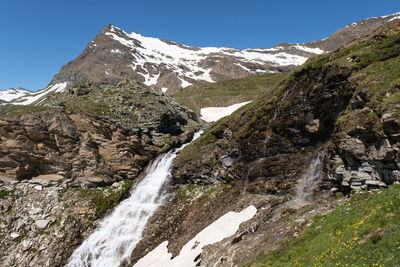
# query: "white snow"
224,227
211,114
309,49
164,89
243,67
33,97
12,93
394,18
398,13
116,51
186,61
150,80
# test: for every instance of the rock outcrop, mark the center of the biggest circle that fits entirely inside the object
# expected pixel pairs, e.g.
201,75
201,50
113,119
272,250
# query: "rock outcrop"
65,163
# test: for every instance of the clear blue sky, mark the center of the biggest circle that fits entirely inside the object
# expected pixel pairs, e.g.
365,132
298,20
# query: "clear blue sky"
38,36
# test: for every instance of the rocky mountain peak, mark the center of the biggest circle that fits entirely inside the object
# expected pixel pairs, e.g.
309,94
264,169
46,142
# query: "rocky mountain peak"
115,55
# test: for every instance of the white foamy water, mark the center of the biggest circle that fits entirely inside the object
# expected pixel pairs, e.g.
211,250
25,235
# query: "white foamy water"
113,242
310,180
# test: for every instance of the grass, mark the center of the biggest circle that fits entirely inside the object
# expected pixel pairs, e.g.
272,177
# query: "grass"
5,193
105,199
363,232
14,110
228,92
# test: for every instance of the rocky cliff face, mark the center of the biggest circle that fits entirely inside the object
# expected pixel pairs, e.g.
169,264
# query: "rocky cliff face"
341,108
63,164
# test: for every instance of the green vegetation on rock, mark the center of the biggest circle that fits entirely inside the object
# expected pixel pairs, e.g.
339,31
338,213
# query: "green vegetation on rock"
5,193
13,110
106,198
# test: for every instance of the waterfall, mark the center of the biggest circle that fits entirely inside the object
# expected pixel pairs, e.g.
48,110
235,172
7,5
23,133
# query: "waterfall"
113,242
310,180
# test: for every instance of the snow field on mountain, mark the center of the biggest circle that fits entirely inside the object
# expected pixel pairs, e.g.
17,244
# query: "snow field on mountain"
211,114
33,97
224,227
12,93
186,61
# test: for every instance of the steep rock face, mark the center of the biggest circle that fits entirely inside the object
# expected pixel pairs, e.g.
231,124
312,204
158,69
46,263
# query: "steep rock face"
65,163
365,146
342,107
93,131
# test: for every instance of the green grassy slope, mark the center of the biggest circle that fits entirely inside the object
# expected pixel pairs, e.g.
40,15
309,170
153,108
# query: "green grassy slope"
365,231
228,92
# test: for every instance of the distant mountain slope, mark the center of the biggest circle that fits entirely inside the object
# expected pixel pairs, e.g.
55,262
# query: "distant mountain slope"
115,55
227,93
12,93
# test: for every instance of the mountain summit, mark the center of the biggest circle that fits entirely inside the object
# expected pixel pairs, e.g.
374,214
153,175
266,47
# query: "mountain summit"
115,55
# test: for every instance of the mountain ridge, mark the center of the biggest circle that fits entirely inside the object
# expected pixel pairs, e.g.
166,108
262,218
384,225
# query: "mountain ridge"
115,55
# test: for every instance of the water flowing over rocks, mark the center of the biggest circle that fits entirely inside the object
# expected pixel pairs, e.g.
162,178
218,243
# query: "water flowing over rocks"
263,153
112,243
65,163
331,127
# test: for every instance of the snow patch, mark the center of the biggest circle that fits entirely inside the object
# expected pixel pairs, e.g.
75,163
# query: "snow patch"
317,51
186,61
398,13
12,93
224,227
116,51
33,97
211,114
394,18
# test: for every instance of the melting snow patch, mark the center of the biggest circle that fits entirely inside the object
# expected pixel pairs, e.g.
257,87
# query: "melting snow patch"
116,51
394,18
211,114
31,98
309,49
224,227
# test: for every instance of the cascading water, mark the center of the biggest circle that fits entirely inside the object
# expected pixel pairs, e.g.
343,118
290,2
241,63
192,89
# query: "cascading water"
310,180
118,234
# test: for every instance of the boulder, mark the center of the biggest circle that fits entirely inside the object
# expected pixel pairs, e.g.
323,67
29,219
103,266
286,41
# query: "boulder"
41,224
46,179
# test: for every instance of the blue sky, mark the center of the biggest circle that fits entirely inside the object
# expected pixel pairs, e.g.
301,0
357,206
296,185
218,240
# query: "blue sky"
38,37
